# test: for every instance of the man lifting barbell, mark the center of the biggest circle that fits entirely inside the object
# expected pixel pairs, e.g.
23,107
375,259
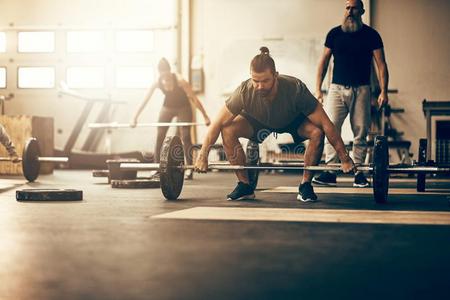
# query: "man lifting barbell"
269,102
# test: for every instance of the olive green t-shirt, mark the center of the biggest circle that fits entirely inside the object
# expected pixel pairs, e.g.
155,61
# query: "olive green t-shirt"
292,99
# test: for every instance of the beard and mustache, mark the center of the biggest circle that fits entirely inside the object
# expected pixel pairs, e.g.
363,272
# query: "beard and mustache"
351,24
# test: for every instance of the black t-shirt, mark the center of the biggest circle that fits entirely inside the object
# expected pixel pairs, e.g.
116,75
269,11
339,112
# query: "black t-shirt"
176,97
293,98
352,52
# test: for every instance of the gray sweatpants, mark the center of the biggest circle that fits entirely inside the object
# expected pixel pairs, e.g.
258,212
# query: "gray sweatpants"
340,102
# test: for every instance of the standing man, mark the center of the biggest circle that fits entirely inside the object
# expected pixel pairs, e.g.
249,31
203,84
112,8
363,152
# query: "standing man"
265,103
353,46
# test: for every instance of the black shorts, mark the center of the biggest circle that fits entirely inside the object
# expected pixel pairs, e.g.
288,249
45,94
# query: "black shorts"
260,131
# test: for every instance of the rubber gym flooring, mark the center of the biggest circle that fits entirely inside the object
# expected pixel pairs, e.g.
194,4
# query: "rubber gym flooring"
133,244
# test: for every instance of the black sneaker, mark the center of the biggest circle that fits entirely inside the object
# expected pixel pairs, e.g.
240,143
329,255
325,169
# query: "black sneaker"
325,178
242,191
306,192
361,180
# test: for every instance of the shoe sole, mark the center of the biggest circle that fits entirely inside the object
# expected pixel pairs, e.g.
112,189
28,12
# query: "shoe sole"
300,198
246,197
361,185
315,181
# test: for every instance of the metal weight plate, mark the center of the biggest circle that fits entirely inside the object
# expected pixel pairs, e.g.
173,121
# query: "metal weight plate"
252,159
380,173
30,162
171,178
49,195
139,183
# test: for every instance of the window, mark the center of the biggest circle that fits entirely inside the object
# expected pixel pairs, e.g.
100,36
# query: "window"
85,41
2,42
134,41
36,42
134,77
36,77
2,77
85,77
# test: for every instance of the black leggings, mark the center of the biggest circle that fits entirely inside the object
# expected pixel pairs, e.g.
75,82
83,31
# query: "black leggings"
183,114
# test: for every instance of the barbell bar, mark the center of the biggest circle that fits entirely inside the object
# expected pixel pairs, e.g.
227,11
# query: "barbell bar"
31,159
266,167
116,125
49,159
171,168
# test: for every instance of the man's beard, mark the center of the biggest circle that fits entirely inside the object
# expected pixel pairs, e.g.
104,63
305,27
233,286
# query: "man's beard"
262,93
351,24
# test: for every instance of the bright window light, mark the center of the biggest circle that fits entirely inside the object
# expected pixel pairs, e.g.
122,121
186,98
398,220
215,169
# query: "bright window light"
36,77
134,41
134,77
2,42
2,78
85,41
85,77
36,42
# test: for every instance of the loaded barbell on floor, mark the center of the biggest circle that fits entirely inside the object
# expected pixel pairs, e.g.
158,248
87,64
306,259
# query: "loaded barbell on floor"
115,125
171,168
31,159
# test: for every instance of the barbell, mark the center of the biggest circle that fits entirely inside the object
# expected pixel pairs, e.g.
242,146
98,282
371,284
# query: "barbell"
116,125
171,168
31,159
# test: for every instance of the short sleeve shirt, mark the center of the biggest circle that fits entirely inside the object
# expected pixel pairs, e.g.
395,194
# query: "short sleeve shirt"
353,52
293,98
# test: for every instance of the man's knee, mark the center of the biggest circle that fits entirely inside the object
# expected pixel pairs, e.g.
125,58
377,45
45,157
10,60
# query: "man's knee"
229,134
317,135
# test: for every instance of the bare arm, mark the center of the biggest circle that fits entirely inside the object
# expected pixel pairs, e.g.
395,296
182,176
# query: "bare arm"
320,119
224,118
383,75
321,72
143,103
194,99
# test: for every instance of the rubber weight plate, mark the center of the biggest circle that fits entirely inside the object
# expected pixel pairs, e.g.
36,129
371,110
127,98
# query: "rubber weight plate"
172,178
252,159
30,162
49,195
100,173
380,173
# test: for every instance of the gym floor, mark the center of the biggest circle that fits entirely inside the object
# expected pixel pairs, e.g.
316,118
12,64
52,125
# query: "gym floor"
131,244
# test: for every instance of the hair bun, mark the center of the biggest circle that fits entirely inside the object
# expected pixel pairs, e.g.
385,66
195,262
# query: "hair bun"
264,50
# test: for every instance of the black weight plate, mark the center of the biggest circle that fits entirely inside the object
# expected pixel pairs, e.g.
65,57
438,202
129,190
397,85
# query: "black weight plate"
100,173
252,159
116,173
30,162
171,177
380,173
49,195
422,155
135,183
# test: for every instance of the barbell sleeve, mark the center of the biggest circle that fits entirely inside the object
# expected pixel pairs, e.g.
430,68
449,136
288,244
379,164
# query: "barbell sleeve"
415,169
53,159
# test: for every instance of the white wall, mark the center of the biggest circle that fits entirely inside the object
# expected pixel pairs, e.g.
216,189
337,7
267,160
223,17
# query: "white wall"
417,42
